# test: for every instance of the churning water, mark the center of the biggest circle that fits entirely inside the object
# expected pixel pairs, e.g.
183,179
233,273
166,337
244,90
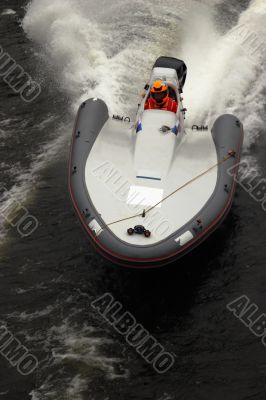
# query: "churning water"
82,48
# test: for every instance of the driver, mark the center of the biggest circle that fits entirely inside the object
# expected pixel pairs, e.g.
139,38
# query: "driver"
159,98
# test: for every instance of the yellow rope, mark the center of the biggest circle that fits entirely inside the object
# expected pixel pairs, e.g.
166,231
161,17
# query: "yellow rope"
230,154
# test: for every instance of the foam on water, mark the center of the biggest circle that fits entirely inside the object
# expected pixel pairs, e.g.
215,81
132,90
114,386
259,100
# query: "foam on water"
25,179
105,54
8,11
107,57
71,344
106,49
82,347
24,316
226,74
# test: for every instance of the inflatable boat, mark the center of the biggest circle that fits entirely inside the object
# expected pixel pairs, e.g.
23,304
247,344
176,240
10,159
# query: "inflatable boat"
148,191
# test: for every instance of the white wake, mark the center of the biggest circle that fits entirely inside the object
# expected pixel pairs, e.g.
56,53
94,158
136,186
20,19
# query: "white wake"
107,50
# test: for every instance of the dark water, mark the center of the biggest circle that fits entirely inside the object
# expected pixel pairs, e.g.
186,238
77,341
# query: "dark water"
49,279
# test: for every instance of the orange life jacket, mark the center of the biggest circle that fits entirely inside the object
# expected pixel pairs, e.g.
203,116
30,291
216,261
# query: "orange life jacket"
168,105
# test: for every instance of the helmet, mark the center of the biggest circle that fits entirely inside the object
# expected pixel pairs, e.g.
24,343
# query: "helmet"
159,91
